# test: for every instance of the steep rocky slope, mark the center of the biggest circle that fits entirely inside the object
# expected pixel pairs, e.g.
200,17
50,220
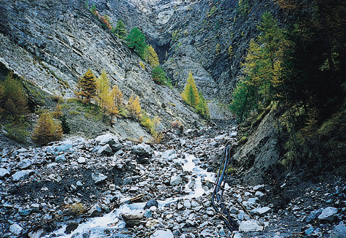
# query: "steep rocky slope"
53,43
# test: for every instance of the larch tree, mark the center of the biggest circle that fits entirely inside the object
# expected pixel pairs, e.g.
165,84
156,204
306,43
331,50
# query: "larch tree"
134,107
120,30
46,130
117,96
151,57
102,90
86,86
190,93
14,100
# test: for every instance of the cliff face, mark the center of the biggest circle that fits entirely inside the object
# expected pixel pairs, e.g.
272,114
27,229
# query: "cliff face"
53,43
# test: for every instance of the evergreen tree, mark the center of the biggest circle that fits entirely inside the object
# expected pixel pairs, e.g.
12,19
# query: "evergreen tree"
152,57
102,89
46,130
202,107
136,40
134,107
14,101
120,30
87,86
64,125
159,76
190,93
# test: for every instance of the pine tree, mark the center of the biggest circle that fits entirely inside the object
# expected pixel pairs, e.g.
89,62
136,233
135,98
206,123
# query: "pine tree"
159,76
46,130
14,99
134,107
120,30
87,86
64,125
190,93
152,57
136,40
102,89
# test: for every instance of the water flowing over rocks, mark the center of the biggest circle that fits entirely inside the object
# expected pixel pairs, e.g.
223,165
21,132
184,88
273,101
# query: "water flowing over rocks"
115,195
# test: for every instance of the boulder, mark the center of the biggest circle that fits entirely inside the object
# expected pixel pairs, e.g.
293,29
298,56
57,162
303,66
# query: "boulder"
132,220
4,173
81,160
162,234
21,175
24,164
63,148
105,150
339,231
328,213
16,229
176,180
95,210
60,159
142,150
261,210
151,203
98,177
250,225
71,227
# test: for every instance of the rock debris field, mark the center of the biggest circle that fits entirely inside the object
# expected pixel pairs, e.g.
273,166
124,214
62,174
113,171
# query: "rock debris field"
112,187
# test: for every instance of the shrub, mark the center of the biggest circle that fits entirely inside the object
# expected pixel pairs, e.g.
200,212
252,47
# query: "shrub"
17,129
120,30
46,130
77,209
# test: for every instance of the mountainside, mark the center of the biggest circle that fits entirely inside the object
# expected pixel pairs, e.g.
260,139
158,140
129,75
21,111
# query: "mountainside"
52,44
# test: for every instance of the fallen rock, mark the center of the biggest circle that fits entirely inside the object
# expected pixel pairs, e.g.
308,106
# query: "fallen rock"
60,159
151,203
250,225
4,173
132,220
81,160
98,178
162,234
104,150
24,164
20,175
142,150
95,210
339,231
176,180
328,213
71,227
16,229
261,210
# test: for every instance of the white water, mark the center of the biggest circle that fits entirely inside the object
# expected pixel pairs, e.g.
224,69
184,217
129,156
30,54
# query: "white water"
96,226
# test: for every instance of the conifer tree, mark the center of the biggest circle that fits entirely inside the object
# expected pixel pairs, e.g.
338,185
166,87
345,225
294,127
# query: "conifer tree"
202,107
136,40
102,89
46,130
152,57
190,93
159,76
117,96
14,99
58,112
120,30
87,86
134,107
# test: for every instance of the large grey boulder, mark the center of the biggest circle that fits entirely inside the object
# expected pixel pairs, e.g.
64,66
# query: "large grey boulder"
4,173
16,229
21,175
162,234
250,225
142,150
132,220
105,150
25,163
328,213
98,177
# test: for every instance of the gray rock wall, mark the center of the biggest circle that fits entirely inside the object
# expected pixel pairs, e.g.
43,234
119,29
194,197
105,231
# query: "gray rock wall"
53,43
